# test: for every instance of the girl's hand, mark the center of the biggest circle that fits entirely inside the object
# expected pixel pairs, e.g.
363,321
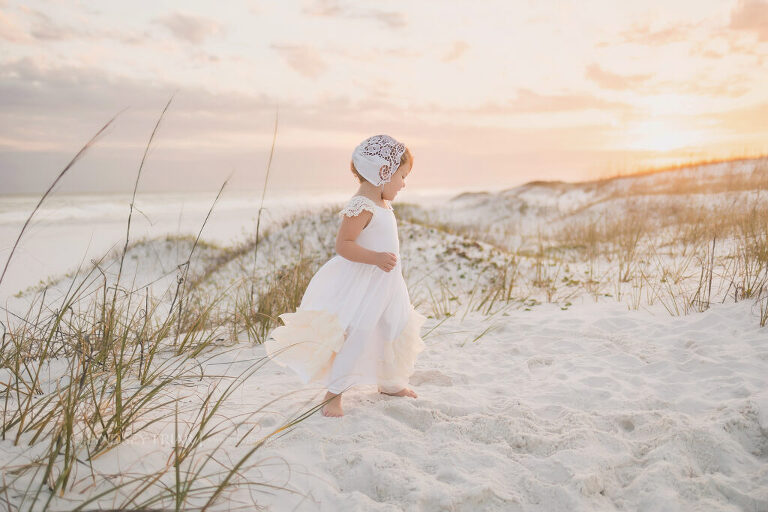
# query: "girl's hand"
385,261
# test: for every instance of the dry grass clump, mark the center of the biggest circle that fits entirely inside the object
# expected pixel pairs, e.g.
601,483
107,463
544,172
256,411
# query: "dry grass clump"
681,251
613,239
656,171
282,292
749,275
501,287
688,183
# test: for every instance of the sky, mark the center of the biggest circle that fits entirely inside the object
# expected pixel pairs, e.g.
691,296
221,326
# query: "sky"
487,94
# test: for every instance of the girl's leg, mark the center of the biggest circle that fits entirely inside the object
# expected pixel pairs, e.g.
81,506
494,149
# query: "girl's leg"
333,407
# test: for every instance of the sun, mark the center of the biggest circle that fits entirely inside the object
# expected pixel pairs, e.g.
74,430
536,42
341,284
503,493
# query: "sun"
662,136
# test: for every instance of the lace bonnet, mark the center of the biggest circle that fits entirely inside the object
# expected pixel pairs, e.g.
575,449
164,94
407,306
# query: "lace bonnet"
377,158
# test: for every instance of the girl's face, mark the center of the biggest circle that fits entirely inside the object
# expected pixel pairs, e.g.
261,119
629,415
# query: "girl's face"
397,183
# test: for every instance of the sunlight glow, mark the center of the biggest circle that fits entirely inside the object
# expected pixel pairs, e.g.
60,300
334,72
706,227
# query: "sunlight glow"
662,136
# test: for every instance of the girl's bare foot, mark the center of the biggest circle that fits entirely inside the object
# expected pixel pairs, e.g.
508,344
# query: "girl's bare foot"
333,408
403,392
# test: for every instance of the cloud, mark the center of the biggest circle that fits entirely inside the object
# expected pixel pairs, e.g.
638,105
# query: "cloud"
700,85
373,53
186,27
58,104
703,40
645,35
11,30
31,88
457,50
732,87
708,53
325,8
335,8
751,15
45,29
41,28
305,60
608,80
528,101
48,112
40,102
725,42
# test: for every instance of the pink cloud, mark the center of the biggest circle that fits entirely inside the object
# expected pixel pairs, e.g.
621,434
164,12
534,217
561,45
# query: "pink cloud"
608,80
336,8
644,34
194,29
44,28
11,30
528,102
457,50
751,15
305,60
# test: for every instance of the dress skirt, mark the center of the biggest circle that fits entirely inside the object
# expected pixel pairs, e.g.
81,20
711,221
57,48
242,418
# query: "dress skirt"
355,325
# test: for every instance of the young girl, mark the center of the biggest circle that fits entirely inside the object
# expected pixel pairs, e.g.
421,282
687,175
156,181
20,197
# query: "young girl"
356,324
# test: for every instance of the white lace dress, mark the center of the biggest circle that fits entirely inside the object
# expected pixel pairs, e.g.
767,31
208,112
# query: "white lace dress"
356,324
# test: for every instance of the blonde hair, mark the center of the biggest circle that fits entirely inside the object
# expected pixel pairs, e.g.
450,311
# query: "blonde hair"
405,159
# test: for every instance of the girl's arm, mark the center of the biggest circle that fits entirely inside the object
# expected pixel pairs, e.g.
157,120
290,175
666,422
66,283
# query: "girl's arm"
347,247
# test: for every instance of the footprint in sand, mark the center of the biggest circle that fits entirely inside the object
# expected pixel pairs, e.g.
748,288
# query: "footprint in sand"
539,362
434,377
413,416
626,424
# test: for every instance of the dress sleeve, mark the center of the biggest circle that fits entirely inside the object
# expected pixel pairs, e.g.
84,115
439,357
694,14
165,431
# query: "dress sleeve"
356,205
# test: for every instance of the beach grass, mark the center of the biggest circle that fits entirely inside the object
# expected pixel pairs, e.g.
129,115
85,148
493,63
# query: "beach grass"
104,363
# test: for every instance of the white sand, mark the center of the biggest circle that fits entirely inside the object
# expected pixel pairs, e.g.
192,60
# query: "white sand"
594,408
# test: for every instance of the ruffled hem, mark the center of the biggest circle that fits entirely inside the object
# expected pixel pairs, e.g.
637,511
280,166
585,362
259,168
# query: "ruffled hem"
307,343
310,339
399,357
